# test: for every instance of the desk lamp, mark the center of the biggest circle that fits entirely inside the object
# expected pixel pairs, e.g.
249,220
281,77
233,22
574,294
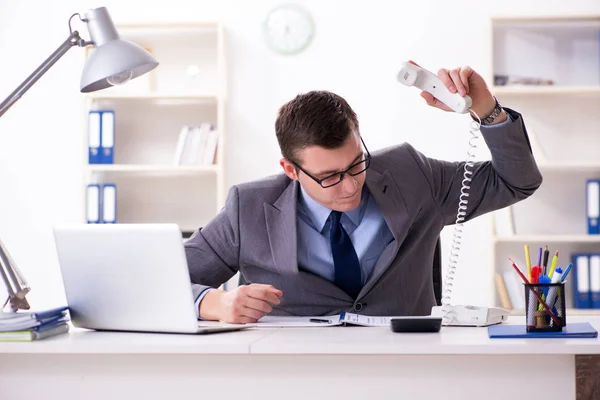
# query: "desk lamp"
113,61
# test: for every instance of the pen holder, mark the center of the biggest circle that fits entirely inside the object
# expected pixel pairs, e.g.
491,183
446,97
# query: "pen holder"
538,317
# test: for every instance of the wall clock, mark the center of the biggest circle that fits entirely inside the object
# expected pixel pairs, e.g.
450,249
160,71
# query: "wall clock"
288,29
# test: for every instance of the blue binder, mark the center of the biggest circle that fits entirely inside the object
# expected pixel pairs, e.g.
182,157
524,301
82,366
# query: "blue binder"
594,261
581,280
94,136
107,137
576,330
109,203
92,204
593,206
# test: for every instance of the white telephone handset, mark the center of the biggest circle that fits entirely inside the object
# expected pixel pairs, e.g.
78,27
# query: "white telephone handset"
453,315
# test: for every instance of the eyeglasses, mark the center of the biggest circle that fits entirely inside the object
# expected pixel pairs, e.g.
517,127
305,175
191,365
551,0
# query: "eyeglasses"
333,179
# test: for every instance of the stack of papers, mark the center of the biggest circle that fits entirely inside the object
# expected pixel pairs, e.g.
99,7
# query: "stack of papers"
36,325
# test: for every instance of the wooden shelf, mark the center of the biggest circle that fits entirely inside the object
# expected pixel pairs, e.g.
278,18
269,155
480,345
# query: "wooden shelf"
548,239
170,169
168,97
530,90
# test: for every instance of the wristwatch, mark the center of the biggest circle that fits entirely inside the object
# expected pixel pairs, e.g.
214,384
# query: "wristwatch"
492,117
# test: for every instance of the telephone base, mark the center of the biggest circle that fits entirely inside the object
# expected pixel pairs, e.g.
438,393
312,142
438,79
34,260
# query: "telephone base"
470,315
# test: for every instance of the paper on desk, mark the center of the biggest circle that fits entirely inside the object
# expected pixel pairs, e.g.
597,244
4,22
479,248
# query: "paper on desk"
366,320
296,322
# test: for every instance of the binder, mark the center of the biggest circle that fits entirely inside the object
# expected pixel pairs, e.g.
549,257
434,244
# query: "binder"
109,203
107,137
593,206
94,134
93,204
595,280
581,289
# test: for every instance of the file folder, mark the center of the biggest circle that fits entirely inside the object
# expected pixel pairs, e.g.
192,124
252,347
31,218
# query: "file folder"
581,289
109,203
107,137
593,206
595,280
94,133
575,330
93,204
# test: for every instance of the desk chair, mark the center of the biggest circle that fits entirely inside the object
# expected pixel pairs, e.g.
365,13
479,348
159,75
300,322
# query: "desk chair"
437,273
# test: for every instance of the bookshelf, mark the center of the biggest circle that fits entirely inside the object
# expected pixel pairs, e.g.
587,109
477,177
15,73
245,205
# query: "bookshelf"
548,69
188,88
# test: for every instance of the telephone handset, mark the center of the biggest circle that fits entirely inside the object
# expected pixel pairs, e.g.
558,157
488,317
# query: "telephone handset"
454,315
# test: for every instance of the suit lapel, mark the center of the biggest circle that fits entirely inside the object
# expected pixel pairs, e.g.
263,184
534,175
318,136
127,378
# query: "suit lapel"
281,221
281,228
387,196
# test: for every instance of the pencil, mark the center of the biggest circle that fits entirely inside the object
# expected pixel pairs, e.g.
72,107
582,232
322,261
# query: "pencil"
528,260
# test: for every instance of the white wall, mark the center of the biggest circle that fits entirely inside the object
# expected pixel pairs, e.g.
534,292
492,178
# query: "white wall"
356,51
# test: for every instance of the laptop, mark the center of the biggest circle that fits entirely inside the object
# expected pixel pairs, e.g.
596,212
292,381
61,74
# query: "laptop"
129,277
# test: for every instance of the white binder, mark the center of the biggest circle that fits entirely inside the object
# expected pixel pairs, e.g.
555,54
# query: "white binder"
109,203
93,204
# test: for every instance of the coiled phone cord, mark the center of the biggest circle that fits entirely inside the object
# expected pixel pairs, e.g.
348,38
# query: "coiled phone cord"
460,217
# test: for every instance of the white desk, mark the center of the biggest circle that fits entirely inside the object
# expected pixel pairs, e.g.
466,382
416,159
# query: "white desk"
309,363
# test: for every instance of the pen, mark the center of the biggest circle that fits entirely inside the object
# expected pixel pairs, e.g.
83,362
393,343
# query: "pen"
535,293
553,266
539,259
320,321
545,262
528,260
564,275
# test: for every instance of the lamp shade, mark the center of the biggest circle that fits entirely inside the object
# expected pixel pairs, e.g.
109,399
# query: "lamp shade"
113,60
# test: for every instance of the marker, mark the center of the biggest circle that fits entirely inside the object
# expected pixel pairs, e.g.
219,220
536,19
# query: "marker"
553,266
545,262
544,280
556,278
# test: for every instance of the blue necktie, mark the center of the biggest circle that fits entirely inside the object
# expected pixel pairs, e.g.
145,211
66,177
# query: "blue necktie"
345,260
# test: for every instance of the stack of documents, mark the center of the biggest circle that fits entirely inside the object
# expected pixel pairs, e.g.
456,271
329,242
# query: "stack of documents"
28,326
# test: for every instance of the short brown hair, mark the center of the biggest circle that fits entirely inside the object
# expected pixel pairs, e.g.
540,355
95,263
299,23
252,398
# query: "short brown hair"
316,118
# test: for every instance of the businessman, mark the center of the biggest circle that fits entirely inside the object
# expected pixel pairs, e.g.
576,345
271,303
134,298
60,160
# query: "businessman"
346,229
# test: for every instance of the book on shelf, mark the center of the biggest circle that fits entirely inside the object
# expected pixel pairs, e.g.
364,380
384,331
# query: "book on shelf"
196,145
513,80
504,223
512,288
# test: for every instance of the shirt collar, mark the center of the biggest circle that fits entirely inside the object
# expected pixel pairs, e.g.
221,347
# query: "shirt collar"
319,213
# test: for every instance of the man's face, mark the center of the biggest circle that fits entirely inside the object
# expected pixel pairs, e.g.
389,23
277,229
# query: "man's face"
320,163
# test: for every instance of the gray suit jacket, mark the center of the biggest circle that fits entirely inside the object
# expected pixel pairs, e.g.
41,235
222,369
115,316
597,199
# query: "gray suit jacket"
255,233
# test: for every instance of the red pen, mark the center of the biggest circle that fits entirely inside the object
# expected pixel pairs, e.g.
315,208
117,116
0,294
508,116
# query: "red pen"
535,276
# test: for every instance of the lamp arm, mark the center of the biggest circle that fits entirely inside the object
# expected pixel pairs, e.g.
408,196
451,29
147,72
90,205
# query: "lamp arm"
12,278
16,286
73,40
